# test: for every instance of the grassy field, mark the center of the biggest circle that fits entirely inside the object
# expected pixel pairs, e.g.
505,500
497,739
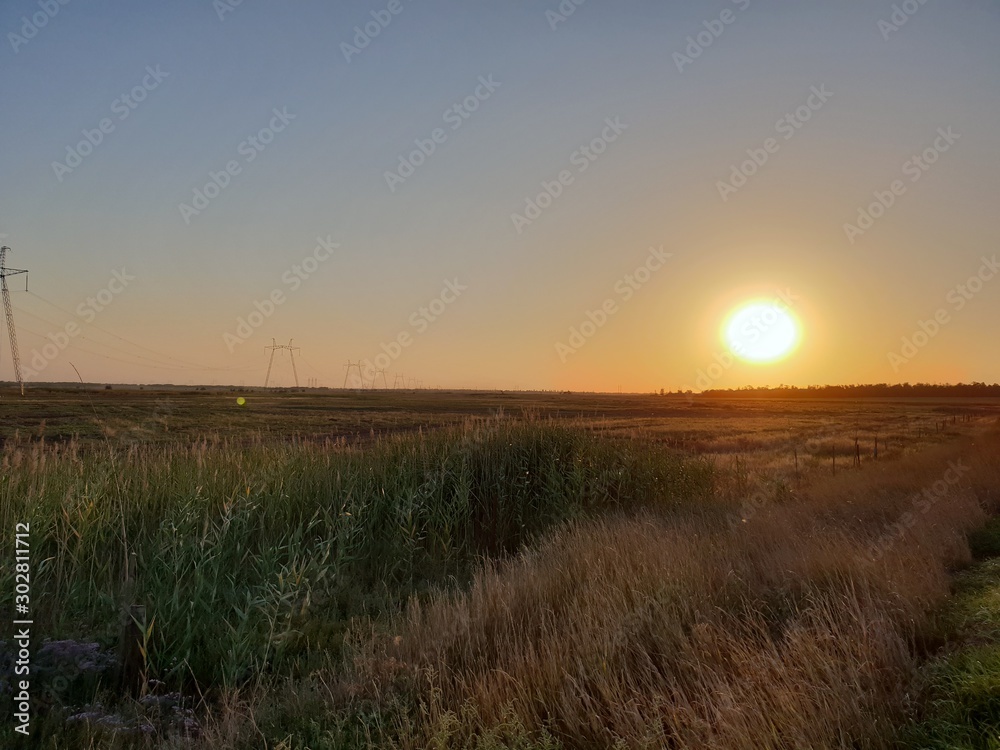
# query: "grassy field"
960,701
490,570
691,424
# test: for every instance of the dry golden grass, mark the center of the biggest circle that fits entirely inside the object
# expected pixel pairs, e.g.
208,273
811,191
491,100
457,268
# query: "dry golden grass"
796,627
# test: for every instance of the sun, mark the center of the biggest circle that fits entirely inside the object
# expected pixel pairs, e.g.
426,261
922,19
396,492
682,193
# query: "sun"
761,331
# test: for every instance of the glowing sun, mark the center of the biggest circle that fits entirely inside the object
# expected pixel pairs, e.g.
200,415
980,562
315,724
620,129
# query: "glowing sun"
761,331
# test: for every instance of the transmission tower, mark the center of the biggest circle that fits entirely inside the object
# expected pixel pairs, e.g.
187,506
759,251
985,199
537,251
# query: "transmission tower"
398,379
351,366
273,348
385,384
9,311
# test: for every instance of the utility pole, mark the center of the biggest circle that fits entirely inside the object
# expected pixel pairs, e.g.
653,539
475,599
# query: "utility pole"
9,311
291,350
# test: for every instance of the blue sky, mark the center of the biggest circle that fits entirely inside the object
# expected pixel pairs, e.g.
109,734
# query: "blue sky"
657,184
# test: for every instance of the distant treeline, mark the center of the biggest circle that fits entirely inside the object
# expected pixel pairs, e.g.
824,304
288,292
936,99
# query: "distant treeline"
899,390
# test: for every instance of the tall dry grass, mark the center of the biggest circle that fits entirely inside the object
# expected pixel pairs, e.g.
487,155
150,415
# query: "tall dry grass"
797,627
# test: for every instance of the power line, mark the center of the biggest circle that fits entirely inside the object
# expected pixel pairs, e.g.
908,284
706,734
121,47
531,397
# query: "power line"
186,364
101,343
310,365
73,344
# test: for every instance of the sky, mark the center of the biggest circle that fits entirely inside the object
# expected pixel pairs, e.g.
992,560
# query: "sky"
511,194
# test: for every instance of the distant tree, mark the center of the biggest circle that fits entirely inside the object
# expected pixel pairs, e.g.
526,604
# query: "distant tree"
919,390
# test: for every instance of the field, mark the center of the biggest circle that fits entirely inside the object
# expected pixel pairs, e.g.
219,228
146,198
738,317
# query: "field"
409,569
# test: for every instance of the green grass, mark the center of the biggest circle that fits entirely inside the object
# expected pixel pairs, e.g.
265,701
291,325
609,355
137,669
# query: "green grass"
254,559
961,707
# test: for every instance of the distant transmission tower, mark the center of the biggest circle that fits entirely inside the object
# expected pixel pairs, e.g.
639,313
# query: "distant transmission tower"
351,366
9,311
398,379
291,350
